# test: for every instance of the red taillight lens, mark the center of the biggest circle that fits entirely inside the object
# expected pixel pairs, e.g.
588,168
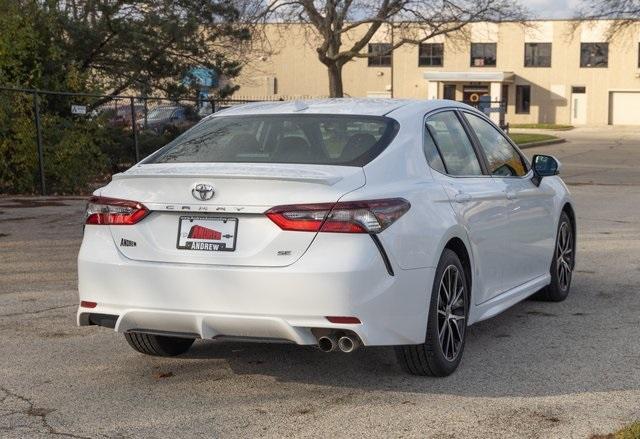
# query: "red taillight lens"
301,217
87,304
344,320
372,216
113,211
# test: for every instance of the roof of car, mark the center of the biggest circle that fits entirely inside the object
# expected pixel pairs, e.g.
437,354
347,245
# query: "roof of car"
354,106
167,107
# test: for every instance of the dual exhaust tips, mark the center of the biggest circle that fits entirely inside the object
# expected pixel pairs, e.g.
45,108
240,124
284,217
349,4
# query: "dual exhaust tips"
344,343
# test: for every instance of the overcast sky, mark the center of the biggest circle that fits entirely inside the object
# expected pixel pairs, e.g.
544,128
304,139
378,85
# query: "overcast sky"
552,8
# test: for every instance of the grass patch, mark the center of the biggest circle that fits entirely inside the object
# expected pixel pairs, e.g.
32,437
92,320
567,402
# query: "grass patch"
522,138
542,126
629,432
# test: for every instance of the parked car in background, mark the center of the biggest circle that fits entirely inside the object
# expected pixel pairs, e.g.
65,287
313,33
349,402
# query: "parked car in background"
164,118
335,223
119,113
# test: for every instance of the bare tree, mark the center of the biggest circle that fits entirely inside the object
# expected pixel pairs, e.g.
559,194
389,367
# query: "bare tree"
624,13
334,22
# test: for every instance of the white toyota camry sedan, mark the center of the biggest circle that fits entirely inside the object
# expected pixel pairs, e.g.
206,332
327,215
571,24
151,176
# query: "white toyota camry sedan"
337,223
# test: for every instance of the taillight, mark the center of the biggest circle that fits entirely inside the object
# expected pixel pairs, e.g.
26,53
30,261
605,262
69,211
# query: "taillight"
372,216
113,211
344,320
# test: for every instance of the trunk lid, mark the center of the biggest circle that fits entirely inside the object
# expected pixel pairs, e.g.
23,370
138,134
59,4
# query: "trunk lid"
242,192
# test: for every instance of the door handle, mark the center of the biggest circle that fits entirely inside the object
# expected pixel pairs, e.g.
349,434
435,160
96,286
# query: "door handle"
461,197
512,195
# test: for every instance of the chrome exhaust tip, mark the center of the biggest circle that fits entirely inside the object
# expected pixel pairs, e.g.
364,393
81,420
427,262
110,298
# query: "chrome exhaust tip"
348,344
328,343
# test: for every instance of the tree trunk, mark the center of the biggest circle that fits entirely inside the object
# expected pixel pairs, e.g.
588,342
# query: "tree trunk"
335,80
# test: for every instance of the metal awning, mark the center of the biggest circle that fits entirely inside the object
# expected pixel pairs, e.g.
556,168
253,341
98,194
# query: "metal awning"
470,76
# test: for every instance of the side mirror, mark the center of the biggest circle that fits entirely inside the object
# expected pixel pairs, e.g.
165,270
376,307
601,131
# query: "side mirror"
544,166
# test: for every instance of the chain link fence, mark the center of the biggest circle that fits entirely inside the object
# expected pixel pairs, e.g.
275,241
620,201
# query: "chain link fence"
55,142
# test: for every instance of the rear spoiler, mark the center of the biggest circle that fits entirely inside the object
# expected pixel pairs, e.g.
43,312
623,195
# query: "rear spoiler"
235,171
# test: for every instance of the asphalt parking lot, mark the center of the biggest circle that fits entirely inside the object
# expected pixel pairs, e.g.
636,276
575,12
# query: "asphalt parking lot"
538,370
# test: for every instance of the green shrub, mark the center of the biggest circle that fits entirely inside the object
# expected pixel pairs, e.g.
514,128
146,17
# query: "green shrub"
72,154
18,152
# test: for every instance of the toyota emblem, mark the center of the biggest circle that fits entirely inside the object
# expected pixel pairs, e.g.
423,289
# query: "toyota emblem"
203,192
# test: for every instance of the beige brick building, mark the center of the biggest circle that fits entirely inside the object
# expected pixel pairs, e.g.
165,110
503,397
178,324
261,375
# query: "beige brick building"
546,72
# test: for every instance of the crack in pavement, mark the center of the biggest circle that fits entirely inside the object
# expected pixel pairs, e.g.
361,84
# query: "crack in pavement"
604,220
14,314
36,412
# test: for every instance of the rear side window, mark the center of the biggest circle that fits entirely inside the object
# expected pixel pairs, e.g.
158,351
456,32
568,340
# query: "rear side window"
502,157
451,140
431,153
284,138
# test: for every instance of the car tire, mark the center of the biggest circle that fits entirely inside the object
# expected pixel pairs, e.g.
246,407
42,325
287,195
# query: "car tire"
158,345
442,350
562,264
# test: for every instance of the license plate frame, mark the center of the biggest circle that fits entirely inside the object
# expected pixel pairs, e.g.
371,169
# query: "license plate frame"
209,244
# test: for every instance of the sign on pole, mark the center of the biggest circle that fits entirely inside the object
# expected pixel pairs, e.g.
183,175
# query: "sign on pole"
78,109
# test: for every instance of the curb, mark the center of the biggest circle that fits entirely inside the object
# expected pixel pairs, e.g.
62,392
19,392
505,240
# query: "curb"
541,143
541,130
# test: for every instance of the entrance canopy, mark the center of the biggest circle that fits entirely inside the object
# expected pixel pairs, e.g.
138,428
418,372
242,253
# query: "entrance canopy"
470,76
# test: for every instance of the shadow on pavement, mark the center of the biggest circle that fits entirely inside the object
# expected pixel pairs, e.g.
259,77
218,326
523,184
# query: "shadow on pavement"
533,349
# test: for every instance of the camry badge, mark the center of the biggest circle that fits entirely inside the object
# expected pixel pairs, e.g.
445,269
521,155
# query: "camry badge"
203,192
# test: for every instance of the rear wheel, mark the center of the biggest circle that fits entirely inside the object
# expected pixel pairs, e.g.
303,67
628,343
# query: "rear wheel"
442,350
158,345
562,264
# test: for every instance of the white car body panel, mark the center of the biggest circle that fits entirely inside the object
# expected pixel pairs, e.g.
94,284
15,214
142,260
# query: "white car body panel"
238,192
254,292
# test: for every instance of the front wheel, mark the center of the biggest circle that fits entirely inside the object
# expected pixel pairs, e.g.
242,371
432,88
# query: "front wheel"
441,352
562,264
158,345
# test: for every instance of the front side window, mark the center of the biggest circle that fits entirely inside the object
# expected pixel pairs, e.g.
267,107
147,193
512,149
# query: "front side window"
282,138
594,54
379,55
483,54
537,55
523,99
502,158
448,136
431,55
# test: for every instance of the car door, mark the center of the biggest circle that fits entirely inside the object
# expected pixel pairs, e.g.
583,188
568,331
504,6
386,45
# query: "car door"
476,198
530,231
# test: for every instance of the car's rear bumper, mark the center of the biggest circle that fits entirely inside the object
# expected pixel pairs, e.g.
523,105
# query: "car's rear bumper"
338,276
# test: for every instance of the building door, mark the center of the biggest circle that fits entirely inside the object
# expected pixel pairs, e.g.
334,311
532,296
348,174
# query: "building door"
450,92
471,94
623,108
578,105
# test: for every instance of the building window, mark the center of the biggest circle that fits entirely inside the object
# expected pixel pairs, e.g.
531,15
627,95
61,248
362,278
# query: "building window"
537,54
594,54
449,92
505,96
523,99
431,55
379,55
483,54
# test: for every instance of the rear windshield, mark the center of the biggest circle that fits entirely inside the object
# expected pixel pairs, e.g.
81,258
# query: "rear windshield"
282,138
